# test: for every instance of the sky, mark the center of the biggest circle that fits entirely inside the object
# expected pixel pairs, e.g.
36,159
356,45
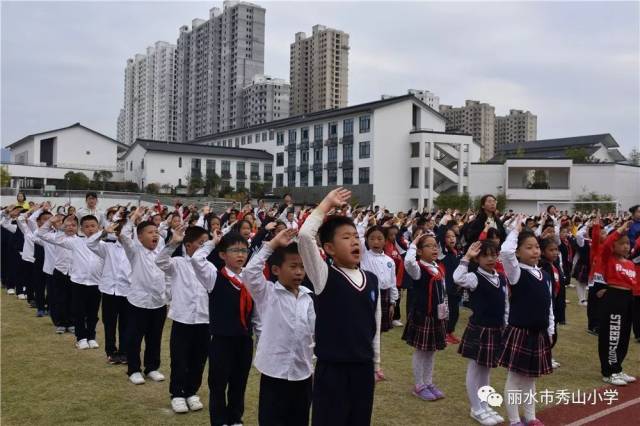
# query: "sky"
576,65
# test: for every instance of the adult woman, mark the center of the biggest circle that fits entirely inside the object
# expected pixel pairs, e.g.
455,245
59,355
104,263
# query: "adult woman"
486,219
22,200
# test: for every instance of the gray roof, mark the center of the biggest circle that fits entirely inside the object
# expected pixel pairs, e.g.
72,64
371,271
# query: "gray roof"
28,137
190,148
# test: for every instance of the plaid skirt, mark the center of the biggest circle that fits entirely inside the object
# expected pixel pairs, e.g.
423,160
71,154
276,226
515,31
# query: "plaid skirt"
481,344
385,303
425,334
527,352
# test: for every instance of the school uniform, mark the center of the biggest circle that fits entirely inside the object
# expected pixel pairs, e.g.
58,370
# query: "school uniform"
231,344
47,271
553,271
28,259
60,298
482,339
147,303
10,256
348,352
450,260
189,310
284,352
114,287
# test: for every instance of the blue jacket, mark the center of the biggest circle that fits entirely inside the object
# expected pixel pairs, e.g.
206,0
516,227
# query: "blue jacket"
634,232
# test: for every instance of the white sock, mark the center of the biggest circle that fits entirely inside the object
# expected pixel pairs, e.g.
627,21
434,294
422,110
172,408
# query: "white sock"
418,367
530,404
519,386
429,359
581,288
477,376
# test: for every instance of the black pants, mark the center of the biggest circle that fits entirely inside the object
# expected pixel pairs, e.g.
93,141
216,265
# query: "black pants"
189,348
284,402
24,279
342,394
229,365
147,324
60,304
636,316
38,278
454,311
560,305
593,308
114,316
396,311
615,329
85,304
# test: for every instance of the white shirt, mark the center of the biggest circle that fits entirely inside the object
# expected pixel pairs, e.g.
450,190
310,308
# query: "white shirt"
285,348
148,288
61,257
6,223
380,265
116,269
27,248
49,255
465,279
189,299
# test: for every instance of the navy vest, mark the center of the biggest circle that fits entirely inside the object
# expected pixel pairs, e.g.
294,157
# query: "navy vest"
530,301
421,290
224,310
346,318
487,302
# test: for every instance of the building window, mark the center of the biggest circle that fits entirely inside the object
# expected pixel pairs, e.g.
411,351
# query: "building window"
415,177
270,135
292,136
347,127
264,136
365,149
240,170
347,152
304,134
415,149
332,177
291,160
347,176
291,179
249,139
333,130
268,171
317,132
365,124
333,153
304,157
317,155
304,178
161,170
195,167
242,141
279,180
239,185
211,167
255,170
280,159
280,138
226,169
317,178
363,175
179,181
142,164
179,162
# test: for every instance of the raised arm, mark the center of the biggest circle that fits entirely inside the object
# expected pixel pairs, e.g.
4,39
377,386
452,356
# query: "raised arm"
410,262
96,245
60,240
205,271
461,276
508,253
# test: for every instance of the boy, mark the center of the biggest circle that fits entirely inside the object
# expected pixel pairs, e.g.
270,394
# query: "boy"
288,320
348,352
189,310
147,299
230,309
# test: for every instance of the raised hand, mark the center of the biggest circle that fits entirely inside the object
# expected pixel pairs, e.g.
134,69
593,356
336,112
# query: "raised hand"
111,228
419,235
283,238
335,198
270,226
178,235
474,250
216,236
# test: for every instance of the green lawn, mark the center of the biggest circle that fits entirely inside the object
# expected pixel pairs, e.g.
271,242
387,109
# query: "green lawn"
45,380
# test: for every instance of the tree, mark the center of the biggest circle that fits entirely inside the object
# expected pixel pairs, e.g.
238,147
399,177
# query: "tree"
212,183
634,157
258,190
195,184
579,155
5,177
100,178
152,188
77,180
457,201
592,196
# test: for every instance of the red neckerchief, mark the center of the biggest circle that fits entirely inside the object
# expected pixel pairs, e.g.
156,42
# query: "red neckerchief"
432,278
390,250
556,283
567,243
246,304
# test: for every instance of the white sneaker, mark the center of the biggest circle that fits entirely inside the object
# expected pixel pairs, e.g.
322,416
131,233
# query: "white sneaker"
554,363
93,344
194,403
397,323
615,379
11,291
179,405
60,330
497,417
583,303
82,344
627,378
136,378
483,417
22,297
156,376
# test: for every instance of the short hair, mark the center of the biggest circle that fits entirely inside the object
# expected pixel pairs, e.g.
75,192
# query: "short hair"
230,239
45,213
524,235
279,254
422,221
90,194
238,225
375,228
493,233
633,209
550,207
488,247
328,229
142,225
88,218
547,242
193,233
72,216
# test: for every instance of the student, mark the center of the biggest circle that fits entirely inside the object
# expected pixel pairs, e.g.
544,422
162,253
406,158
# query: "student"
393,248
230,311
450,259
287,312
91,208
348,351
147,298
27,224
60,298
526,340
15,245
189,311
114,287
616,305
85,274
549,263
426,322
39,277
482,337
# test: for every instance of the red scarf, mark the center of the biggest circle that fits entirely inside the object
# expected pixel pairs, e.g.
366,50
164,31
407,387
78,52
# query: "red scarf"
390,250
556,282
246,304
433,279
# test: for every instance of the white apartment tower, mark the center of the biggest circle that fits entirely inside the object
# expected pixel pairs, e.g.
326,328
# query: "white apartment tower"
319,70
519,126
265,99
149,108
426,97
216,59
476,119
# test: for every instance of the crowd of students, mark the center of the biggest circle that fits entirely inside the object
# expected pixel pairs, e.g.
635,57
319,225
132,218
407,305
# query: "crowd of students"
286,276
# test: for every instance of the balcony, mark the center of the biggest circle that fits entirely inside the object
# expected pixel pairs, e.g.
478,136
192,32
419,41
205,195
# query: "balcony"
332,141
347,164
317,167
304,146
346,139
268,178
241,175
533,181
317,144
255,176
290,169
331,165
291,147
226,174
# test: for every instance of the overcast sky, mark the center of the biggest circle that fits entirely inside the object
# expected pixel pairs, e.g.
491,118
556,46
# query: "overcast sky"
575,65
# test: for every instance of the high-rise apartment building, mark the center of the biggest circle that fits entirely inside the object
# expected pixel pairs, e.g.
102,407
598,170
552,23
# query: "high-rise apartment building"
519,126
149,108
426,97
265,99
476,119
319,70
216,59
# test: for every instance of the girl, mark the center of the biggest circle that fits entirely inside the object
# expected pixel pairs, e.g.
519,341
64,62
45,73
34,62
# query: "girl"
450,259
526,340
549,264
426,323
392,249
616,306
482,337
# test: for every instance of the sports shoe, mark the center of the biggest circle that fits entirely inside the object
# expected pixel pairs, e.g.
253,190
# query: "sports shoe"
136,378
396,323
483,417
155,375
22,297
380,375
82,344
11,291
435,391
112,359
423,392
194,403
497,417
32,304
122,358
71,329
583,303
40,313
535,422
179,405
60,330
452,339
93,344
615,379
554,363
627,378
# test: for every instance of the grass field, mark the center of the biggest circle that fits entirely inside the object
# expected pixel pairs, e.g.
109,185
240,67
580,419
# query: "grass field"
45,380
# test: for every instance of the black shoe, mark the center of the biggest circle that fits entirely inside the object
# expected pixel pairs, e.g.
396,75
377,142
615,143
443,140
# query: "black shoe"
113,359
593,331
122,358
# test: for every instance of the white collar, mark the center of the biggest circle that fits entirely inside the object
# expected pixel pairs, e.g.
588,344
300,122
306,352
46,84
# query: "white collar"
301,289
533,270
